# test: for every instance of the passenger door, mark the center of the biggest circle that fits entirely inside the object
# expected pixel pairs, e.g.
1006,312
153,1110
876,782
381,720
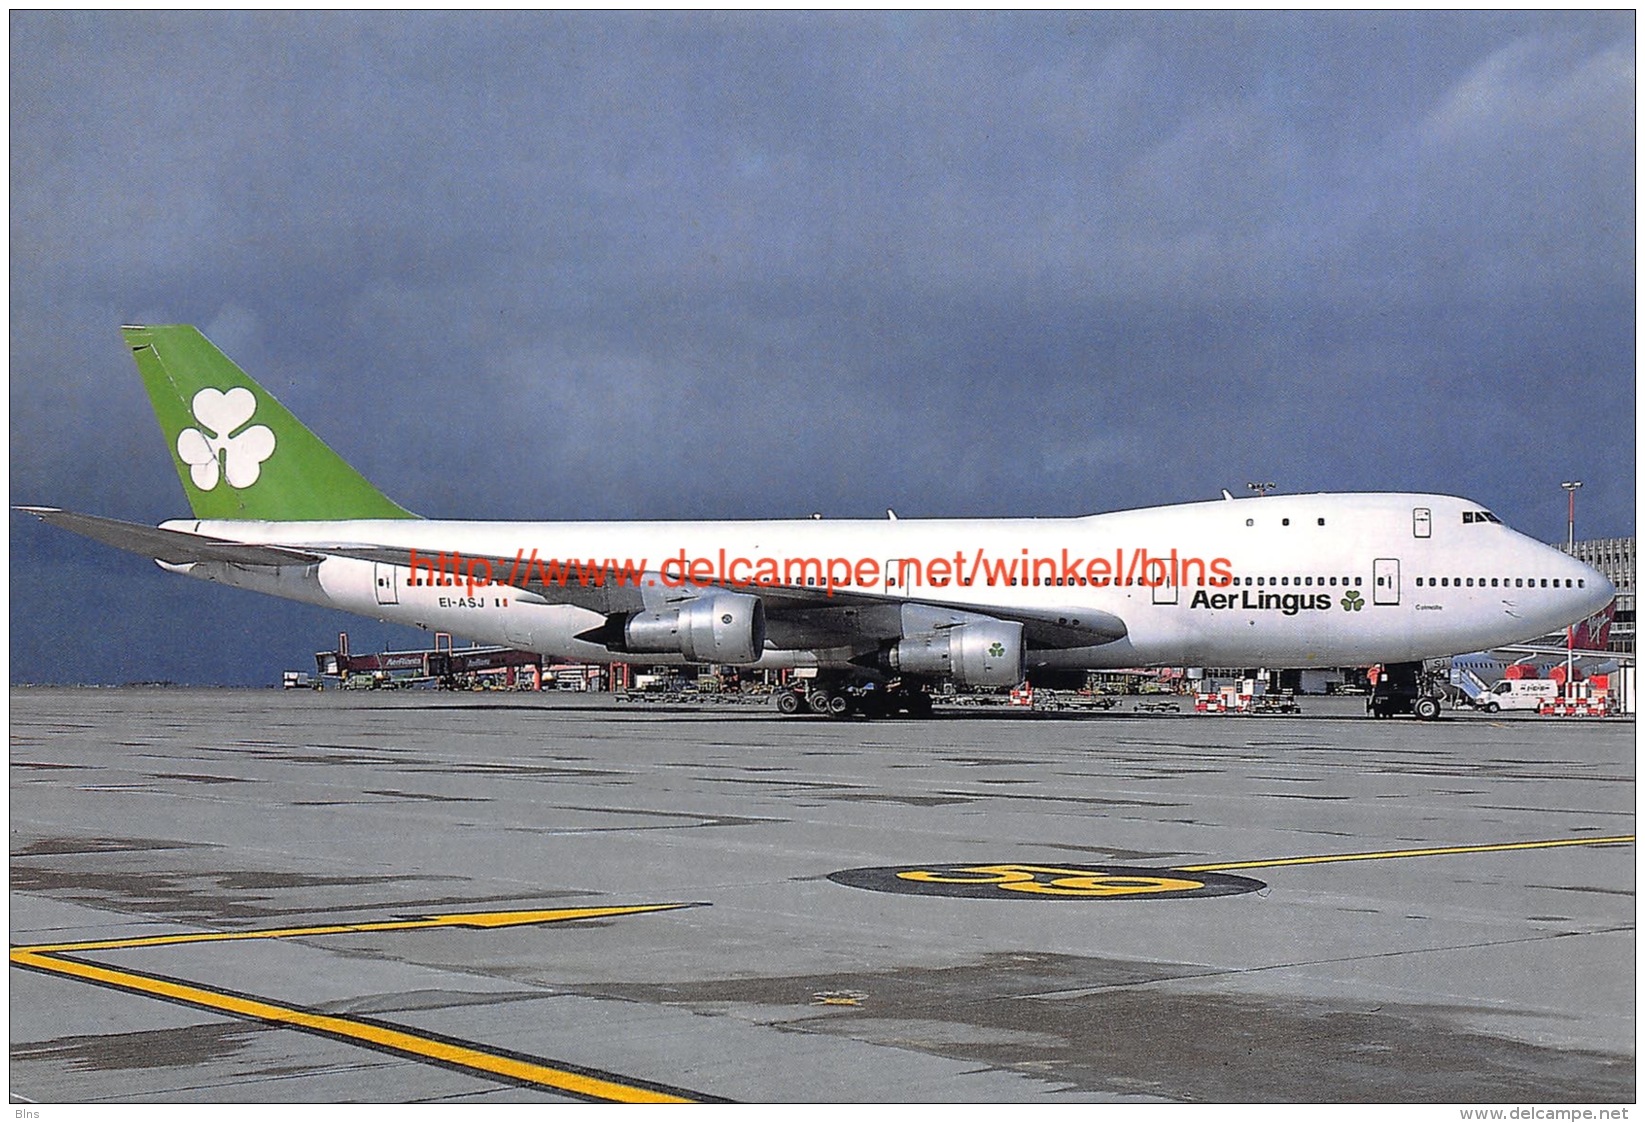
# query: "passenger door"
892,577
1166,591
1385,581
384,576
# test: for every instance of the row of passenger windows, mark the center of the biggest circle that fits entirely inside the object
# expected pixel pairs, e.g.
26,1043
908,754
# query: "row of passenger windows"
1203,583
1316,582
1259,582
1296,581
1499,582
1355,582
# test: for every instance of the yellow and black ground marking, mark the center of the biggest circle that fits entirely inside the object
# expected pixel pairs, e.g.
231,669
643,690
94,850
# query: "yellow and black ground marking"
1008,881
1017,881
68,960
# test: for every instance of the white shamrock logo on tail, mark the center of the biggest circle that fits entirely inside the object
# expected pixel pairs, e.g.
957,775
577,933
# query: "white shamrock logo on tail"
219,414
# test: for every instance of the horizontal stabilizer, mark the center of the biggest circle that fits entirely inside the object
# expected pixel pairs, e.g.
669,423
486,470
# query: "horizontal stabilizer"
174,546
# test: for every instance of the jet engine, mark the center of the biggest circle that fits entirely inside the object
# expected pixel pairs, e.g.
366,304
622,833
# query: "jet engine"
982,653
722,628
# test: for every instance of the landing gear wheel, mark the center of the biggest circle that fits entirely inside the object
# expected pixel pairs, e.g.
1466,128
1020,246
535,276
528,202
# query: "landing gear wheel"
788,703
1427,709
839,705
818,700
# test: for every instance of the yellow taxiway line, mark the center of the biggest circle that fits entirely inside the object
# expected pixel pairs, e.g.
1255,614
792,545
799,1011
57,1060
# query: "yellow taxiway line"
464,1055
1318,859
456,920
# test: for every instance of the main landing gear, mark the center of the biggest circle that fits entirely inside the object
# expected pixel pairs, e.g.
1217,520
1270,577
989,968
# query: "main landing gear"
839,698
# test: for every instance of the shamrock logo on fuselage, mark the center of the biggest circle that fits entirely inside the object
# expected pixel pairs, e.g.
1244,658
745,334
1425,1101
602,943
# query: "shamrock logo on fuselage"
1353,602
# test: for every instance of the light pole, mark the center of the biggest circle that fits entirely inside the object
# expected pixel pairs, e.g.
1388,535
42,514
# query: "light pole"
1570,487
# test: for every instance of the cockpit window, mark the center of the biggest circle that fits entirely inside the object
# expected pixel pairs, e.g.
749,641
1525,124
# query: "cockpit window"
1479,517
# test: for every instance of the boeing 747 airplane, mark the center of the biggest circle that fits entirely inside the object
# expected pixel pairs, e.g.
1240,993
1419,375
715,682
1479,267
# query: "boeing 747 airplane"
880,609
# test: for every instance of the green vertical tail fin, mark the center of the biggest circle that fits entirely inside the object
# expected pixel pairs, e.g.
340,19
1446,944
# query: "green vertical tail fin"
239,452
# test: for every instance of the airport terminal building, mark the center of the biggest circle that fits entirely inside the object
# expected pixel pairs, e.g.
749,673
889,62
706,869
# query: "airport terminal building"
1614,557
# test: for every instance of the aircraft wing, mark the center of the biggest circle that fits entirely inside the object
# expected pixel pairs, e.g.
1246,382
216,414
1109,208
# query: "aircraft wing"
843,612
848,612
1520,653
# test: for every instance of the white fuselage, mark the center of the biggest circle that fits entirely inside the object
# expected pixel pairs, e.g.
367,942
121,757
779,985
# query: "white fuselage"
1282,581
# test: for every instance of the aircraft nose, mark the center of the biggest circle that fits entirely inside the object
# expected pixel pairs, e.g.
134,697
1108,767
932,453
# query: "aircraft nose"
1597,588
1604,590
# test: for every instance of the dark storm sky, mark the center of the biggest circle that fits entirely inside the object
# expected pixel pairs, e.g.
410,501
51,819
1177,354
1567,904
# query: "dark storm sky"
753,265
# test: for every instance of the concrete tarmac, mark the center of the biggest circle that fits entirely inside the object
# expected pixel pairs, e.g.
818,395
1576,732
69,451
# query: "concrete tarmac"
234,895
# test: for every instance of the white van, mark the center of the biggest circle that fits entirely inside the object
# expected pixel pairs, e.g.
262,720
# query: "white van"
1519,694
